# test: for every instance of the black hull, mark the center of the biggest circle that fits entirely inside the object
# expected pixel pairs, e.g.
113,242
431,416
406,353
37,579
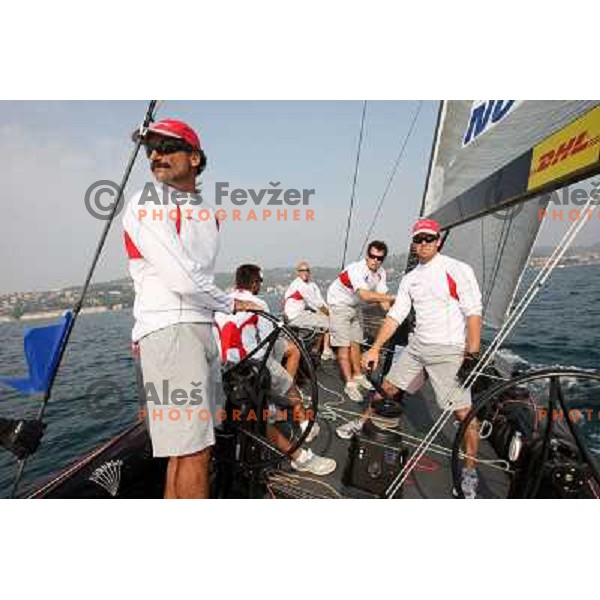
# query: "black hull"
130,471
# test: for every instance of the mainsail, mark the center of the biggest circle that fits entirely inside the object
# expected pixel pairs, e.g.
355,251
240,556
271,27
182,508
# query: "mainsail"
489,157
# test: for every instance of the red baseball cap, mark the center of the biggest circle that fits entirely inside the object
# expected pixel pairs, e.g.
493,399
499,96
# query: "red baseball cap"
175,129
426,226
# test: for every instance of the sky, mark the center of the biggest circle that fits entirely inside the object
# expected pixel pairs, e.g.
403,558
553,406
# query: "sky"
52,152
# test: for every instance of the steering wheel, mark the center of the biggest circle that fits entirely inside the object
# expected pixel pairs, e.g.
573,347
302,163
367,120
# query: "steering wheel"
534,440
255,367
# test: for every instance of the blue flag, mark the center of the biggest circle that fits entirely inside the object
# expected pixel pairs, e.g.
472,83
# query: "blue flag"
42,347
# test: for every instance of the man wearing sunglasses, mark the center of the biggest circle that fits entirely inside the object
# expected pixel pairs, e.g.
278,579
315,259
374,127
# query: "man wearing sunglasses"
172,262
305,307
239,335
364,281
447,302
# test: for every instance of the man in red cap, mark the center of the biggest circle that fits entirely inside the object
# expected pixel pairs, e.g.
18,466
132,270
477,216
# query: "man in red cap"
447,301
172,262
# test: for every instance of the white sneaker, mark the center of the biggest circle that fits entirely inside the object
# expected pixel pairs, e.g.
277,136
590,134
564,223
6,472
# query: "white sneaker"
314,432
351,390
313,463
327,355
363,382
349,429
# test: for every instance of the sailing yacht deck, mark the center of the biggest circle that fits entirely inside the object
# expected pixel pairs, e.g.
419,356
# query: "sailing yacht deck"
430,479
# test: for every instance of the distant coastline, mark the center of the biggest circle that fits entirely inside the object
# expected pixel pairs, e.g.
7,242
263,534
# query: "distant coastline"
53,314
119,295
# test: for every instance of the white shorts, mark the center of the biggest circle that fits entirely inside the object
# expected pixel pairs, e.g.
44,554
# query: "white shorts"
310,320
344,326
441,363
179,367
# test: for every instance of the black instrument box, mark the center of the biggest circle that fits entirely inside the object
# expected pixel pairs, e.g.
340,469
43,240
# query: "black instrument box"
374,460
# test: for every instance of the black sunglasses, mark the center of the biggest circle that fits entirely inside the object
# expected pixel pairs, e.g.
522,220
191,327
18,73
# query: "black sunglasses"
377,257
167,146
303,270
425,239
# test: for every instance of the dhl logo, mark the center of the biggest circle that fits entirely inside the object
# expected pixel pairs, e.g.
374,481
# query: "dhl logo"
567,151
576,144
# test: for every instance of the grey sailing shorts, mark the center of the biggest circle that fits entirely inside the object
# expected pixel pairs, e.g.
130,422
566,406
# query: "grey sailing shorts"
440,362
281,380
180,370
344,326
311,320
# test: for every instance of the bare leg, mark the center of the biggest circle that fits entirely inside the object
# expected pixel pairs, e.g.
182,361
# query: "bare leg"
171,474
190,476
355,358
279,440
292,355
326,346
295,400
471,438
343,356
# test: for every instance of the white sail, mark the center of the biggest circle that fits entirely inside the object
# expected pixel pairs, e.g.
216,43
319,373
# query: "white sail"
494,153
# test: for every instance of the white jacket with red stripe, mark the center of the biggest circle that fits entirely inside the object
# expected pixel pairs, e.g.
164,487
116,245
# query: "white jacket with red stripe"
356,276
171,261
443,292
240,333
300,296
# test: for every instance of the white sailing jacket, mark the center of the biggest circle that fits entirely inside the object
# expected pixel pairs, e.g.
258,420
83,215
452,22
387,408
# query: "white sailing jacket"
240,333
356,276
443,292
300,296
171,261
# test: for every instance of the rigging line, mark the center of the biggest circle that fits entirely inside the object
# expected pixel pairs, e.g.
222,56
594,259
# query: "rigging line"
534,288
149,118
392,175
483,254
506,229
354,180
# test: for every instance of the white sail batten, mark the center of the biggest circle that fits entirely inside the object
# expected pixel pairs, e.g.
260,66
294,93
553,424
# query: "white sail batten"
492,151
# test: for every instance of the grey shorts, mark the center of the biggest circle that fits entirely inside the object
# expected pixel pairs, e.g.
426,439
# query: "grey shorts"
344,326
281,380
180,371
441,363
311,320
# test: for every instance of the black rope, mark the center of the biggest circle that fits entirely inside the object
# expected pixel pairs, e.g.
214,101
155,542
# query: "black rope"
360,138
392,175
147,120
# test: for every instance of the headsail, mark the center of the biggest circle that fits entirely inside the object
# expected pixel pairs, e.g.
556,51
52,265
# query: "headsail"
491,155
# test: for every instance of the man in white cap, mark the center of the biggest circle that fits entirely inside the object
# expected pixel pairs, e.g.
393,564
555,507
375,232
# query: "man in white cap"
447,301
305,307
172,261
